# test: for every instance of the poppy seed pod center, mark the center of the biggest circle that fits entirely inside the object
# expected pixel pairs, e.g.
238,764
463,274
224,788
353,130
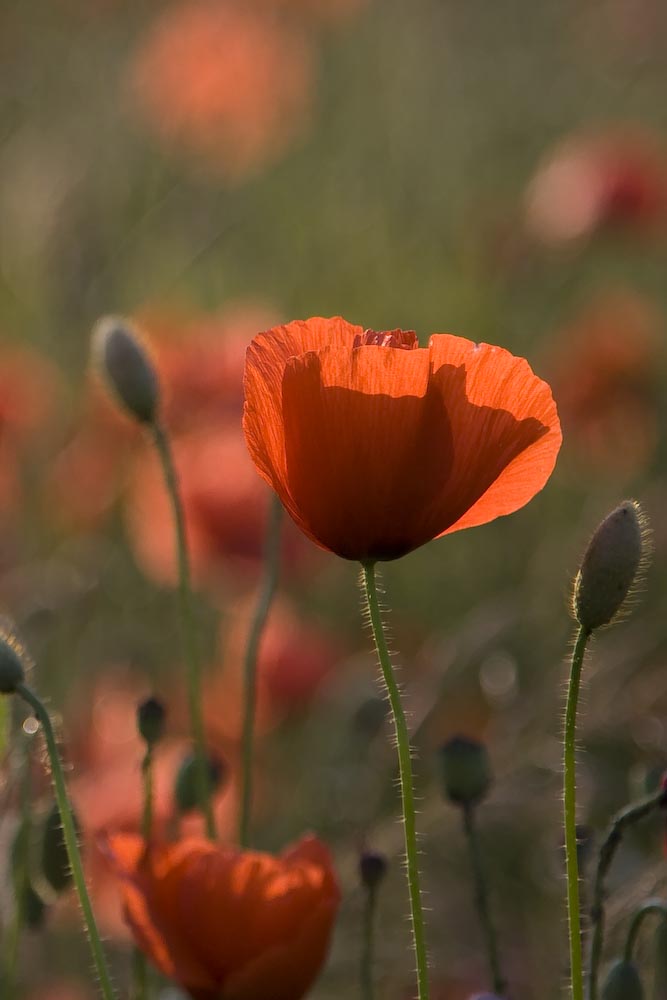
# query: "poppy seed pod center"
403,340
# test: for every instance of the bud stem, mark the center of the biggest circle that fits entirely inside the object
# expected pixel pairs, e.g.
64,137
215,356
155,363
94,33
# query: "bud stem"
139,964
70,838
366,971
619,824
21,876
657,906
190,646
405,778
266,593
482,897
570,814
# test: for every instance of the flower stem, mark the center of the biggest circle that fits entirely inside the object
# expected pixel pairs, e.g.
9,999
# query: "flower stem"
70,838
656,906
620,823
190,646
267,591
366,971
21,876
482,898
570,815
139,964
405,777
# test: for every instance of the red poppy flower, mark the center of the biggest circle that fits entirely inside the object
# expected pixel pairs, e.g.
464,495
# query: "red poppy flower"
375,445
228,924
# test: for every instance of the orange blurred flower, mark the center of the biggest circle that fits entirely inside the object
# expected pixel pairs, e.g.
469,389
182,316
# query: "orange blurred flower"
375,446
588,182
604,375
225,82
224,923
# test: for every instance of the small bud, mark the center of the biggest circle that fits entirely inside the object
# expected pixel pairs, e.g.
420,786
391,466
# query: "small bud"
610,566
12,672
55,864
151,716
186,789
126,367
372,868
622,982
466,770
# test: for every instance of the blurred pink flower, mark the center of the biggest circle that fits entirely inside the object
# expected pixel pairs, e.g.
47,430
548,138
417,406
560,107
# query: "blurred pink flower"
617,178
227,83
603,374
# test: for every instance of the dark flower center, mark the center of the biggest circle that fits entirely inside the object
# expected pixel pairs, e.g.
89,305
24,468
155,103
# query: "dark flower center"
404,340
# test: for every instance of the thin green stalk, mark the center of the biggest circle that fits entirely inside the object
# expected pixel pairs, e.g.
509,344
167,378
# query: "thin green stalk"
405,777
21,876
366,971
657,906
139,964
190,645
619,824
267,591
70,838
482,898
570,815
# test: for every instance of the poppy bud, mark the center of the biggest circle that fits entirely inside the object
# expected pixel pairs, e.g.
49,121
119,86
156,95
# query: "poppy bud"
372,868
186,789
610,566
55,864
12,672
151,715
622,982
126,367
466,770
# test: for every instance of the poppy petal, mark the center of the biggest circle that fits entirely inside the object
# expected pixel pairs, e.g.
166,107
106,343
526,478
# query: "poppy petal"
366,448
266,358
504,424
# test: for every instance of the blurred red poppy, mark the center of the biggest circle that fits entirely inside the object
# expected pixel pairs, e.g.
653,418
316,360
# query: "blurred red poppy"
589,181
227,83
376,446
604,375
227,924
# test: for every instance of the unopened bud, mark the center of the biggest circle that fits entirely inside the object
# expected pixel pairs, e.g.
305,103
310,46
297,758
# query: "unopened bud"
610,566
55,863
126,367
151,716
186,789
466,770
623,982
372,868
12,672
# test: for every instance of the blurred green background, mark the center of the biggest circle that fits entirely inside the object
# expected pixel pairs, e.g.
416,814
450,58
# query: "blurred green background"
397,168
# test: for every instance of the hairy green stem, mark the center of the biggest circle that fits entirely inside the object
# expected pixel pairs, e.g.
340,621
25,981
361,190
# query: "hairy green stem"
482,898
70,838
266,594
21,876
190,645
405,778
657,906
620,823
570,815
366,970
